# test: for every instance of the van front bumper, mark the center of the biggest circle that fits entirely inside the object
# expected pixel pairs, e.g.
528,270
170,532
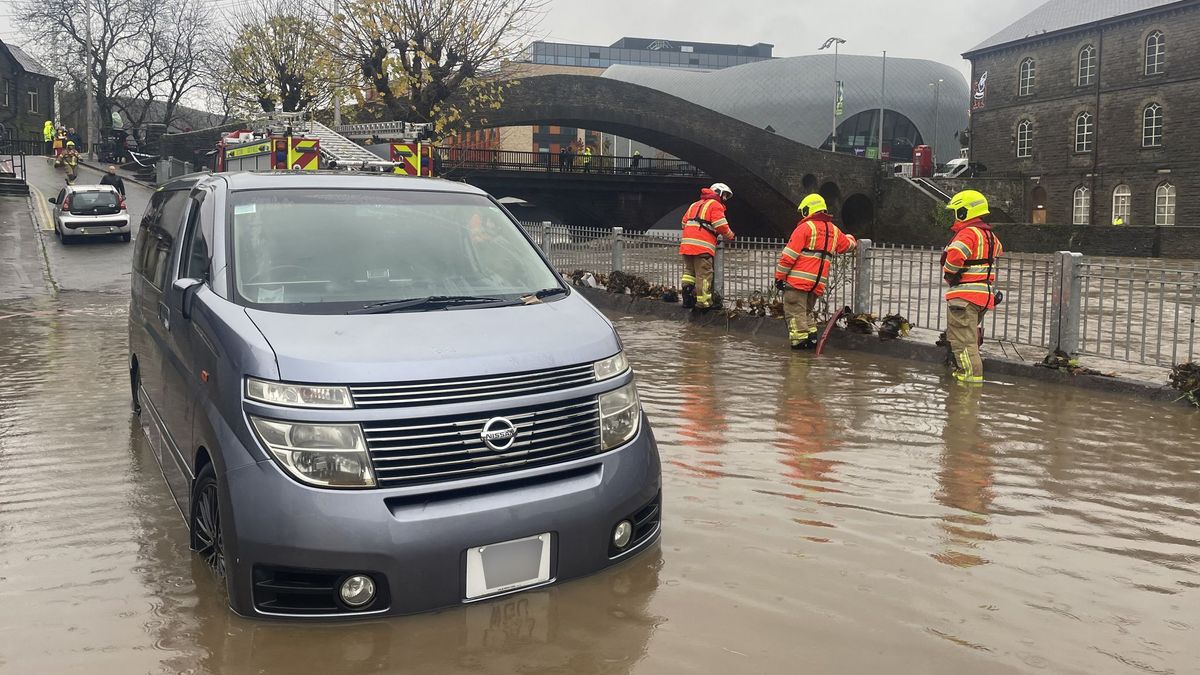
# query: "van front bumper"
413,541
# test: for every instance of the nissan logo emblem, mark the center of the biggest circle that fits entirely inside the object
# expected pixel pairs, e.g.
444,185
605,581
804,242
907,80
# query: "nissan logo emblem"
499,434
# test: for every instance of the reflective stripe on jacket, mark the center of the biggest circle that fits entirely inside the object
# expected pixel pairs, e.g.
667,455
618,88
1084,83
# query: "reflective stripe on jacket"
702,222
969,264
808,257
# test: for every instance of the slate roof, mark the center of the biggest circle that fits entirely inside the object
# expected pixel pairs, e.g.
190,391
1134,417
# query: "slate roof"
27,62
1058,15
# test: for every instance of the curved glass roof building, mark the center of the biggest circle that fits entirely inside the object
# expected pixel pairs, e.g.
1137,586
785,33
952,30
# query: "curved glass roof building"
925,101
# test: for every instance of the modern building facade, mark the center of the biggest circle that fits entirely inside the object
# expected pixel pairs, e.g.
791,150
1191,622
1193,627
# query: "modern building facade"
1090,104
26,94
648,52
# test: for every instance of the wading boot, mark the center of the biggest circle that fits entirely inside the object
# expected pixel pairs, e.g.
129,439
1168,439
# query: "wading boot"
689,296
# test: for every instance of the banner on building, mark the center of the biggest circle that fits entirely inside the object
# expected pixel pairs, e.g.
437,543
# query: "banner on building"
979,96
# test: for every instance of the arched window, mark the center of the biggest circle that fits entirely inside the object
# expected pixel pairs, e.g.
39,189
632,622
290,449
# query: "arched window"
1081,212
1087,66
1122,197
1028,74
1156,53
1152,126
1084,129
1025,139
1164,205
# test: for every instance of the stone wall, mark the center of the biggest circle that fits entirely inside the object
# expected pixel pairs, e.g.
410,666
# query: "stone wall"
1116,100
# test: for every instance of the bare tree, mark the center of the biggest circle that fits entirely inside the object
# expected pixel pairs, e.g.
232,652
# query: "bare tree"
429,59
270,56
57,29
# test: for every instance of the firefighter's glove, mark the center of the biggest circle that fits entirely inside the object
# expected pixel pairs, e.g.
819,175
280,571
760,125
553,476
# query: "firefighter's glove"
781,285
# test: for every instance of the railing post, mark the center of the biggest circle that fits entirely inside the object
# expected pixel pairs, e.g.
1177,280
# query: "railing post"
719,269
1065,303
618,249
162,171
546,241
862,277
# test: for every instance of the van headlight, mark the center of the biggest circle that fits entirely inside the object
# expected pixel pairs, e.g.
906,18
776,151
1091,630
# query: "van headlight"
325,455
297,395
620,415
606,369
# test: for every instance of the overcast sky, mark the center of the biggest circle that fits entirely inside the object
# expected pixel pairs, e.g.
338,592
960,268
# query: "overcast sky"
939,30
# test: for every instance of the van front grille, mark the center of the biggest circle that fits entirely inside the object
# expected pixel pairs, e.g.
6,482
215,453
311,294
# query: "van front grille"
447,448
434,392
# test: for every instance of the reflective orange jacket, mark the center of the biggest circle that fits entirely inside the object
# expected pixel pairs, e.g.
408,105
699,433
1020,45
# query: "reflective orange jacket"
808,257
969,263
702,222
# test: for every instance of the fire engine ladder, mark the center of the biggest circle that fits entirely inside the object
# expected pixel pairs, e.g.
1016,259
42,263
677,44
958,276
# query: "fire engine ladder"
337,147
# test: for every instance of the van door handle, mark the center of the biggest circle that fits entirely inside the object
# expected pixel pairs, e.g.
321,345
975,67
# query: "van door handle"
164,315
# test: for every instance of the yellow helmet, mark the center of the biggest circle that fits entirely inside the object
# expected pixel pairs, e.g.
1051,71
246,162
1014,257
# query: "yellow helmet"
811,204
968,205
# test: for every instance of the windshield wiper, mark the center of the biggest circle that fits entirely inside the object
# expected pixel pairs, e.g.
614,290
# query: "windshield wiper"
550,292
430,302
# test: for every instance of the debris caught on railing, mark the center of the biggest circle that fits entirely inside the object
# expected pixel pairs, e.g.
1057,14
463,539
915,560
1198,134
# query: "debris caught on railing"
863,323
1060,360
1186,378
757,304
894,326
587,279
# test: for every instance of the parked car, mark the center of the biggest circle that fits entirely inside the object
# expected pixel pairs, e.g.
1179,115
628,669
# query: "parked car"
90,211
960,167
372,395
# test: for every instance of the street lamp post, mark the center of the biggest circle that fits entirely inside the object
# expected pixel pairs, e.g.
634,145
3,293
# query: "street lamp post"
937,94
91,90
834,42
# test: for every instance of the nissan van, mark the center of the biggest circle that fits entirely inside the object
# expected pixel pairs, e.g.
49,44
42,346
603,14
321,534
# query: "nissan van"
372,395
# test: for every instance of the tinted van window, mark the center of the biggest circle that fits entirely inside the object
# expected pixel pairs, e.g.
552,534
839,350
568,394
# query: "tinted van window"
326,250
160,226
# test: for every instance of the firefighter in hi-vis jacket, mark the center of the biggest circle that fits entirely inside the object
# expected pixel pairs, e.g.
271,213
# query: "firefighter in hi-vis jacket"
969,267
703,222
804,265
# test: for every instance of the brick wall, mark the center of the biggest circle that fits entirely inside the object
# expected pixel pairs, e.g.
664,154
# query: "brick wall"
1116,100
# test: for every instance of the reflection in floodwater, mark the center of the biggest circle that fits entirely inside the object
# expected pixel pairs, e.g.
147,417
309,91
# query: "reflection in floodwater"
841,514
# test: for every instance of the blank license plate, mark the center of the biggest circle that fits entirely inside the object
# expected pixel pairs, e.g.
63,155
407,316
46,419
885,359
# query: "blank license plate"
507,566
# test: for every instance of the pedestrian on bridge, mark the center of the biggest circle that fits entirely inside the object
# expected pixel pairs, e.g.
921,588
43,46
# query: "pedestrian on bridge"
969,267
703,222
587,159
564,159
804,266
634,161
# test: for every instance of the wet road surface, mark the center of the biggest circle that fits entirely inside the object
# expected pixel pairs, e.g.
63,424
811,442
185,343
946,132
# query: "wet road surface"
851,514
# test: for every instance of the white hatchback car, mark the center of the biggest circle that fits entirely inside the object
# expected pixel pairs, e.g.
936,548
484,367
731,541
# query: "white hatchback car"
90,211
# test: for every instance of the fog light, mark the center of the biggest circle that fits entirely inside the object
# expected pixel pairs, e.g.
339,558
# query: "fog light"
358,590
622,534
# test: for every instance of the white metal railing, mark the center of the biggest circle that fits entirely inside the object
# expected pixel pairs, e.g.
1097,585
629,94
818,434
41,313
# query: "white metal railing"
1129,309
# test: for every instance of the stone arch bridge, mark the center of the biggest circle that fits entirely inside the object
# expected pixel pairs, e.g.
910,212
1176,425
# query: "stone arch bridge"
769,174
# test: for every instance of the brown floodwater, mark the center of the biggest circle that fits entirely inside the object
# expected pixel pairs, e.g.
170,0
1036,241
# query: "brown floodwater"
849,514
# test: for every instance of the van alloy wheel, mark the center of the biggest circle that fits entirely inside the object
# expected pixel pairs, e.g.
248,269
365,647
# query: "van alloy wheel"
209,540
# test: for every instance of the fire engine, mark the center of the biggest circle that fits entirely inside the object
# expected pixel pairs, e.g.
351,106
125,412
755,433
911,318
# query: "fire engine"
276,146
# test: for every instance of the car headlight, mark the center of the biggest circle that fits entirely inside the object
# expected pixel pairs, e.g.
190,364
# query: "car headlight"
297,395
326,455
606,369
620,416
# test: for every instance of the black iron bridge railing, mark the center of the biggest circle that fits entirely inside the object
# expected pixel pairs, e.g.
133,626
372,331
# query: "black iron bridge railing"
456,159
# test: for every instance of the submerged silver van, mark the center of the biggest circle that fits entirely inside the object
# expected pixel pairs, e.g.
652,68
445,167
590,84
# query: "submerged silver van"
372,395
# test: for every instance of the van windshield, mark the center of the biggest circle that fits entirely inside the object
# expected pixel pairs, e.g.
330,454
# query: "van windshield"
330,251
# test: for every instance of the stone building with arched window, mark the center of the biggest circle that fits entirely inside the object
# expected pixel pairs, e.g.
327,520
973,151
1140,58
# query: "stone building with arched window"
1091,105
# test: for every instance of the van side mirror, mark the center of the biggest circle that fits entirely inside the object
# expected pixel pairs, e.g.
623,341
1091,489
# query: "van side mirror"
185,293
53,200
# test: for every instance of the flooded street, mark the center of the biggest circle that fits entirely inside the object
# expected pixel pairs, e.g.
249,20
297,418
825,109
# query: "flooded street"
851,514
